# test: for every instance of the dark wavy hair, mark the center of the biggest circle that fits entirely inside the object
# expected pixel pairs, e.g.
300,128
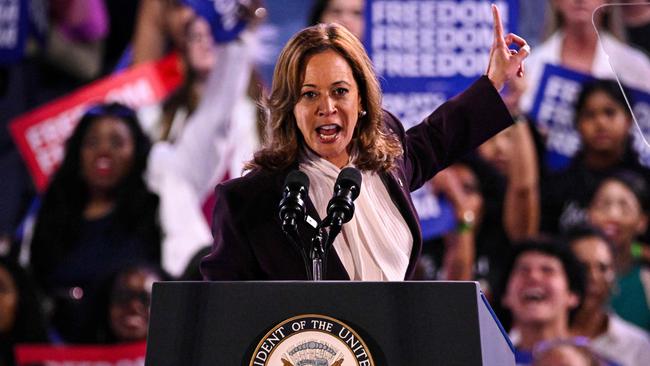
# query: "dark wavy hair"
60,216
582,231
635,183
609,87
378,149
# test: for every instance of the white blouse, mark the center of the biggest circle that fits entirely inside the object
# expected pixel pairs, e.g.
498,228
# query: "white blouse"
376,244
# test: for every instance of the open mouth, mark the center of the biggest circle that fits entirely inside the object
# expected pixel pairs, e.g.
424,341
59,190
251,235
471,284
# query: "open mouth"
534,295
104,165
328,133
610,230
134,321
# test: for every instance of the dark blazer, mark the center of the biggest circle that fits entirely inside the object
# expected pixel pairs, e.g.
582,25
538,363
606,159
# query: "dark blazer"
248,240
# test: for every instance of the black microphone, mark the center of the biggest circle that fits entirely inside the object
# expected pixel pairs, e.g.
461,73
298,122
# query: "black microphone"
292,205
346,189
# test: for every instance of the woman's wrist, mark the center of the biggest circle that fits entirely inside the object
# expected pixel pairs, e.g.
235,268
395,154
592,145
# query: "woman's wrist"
466,222
496,81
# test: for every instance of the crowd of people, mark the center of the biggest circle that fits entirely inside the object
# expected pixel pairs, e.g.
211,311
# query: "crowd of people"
563,256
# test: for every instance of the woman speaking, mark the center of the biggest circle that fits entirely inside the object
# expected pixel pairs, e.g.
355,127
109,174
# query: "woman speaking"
324,114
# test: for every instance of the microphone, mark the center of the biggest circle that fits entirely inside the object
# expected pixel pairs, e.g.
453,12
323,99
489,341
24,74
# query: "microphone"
292,205
292,210
346,189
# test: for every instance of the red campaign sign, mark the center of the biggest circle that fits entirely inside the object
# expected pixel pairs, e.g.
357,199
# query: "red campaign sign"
131,354
41,134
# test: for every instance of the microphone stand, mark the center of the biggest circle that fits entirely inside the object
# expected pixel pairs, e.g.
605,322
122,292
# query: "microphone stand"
321,245
319,254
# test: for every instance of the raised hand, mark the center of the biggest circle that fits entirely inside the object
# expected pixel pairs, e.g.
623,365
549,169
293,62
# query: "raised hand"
505,63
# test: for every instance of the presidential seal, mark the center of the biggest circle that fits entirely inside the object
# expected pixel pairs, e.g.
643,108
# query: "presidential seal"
311,340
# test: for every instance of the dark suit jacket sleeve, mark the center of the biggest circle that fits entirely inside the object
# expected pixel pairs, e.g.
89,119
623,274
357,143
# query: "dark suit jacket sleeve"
458,126
231,258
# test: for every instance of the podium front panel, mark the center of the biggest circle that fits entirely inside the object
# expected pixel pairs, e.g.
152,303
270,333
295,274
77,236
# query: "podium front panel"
402,323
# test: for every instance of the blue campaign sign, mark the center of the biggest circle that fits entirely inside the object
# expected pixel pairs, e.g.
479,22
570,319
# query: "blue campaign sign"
436,213
14,25
425,52
223,16
554,112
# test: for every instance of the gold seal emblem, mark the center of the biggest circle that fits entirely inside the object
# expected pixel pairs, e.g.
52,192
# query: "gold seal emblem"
311,340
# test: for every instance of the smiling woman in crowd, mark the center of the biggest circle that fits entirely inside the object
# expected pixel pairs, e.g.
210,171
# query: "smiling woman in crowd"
620,209
97,216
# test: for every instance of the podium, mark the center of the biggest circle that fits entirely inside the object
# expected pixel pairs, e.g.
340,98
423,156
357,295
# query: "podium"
364,323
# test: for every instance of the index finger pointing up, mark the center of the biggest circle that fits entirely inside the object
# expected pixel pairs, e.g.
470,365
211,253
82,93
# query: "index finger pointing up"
498,27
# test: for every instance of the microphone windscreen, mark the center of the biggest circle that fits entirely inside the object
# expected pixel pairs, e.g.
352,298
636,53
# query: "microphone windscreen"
350,177
297,177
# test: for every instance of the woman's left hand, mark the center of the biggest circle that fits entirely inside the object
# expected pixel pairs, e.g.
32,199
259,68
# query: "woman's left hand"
505,63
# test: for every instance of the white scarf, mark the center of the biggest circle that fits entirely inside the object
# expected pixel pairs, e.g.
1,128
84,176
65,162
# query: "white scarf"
376,244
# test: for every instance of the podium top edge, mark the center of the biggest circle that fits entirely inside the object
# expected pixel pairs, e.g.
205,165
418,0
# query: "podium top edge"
324,282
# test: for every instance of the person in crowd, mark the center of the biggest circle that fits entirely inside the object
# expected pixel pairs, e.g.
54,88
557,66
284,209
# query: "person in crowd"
508,171
21,316
160,25
573,352
504,175
166,122
126,306
65,244
459,183
575,45
97,215
199,57
511,155
61,52
324,114
611,336
620,209
541,286
603,122
348,13
506,167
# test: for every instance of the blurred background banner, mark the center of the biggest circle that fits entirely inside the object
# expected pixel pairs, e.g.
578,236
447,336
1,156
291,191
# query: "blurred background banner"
553,110
428,51
40,134
14,26
223,16
425,52
113,355
18,20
